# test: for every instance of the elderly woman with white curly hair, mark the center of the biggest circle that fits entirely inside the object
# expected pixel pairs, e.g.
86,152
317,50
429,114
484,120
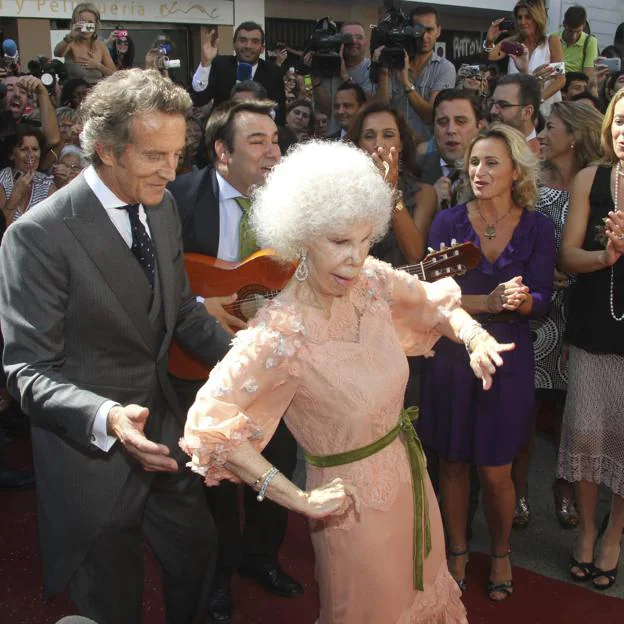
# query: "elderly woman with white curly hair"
328,356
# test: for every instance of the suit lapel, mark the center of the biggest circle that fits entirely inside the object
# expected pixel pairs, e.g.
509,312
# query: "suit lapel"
206,214
157,220
102,242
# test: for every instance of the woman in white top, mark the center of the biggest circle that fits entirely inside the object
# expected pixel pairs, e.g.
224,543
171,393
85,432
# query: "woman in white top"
539,48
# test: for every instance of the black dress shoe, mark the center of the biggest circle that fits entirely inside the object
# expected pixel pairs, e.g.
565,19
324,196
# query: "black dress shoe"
221,606
16,479
273,579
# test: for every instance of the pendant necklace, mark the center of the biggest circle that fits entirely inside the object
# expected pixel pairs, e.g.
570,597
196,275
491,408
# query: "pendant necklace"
615,197
490,228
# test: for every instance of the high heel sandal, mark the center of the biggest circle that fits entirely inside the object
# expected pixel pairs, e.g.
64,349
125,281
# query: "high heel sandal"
565,508
586,568
461,583
504,587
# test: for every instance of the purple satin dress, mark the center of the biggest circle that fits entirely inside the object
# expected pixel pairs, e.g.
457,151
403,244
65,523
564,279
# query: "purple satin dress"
458,419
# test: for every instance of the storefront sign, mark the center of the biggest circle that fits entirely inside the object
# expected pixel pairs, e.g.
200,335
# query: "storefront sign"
176,11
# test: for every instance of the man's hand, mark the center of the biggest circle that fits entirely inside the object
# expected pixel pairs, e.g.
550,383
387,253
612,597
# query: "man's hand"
444,190
404,74
344,74
210,48
127,424
215,306
32,85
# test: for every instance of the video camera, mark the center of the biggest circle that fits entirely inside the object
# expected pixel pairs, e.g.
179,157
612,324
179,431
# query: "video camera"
324,44
164,49
48,71
398,36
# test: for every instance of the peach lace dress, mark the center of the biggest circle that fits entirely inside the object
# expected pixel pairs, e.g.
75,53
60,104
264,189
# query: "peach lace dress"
339,384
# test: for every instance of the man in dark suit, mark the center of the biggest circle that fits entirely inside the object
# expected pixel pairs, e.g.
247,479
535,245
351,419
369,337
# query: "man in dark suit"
457,118
217,74
92,292
242,140
347,103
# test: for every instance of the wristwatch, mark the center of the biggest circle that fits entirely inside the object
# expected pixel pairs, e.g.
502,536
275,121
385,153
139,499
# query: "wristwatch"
487,46
410,89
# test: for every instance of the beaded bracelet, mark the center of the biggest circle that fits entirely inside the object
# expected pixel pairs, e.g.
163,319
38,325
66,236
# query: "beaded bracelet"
468,332
265,484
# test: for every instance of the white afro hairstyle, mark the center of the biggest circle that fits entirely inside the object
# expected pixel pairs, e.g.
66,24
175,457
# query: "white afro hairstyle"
318,187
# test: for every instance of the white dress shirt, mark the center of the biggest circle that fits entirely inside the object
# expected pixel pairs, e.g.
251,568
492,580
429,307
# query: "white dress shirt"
230,215
121,221
202,74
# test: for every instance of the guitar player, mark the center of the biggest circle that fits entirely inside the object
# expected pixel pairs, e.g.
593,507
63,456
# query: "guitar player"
242,145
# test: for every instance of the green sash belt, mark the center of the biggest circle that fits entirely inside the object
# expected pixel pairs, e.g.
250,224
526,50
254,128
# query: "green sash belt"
422,530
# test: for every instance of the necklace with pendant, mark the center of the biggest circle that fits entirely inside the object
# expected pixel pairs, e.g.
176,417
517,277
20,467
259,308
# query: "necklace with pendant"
490,228
614,316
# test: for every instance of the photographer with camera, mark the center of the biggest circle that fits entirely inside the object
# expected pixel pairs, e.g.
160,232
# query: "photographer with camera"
121,48
531,51
218,73
354,68
412,88
16,103
85,55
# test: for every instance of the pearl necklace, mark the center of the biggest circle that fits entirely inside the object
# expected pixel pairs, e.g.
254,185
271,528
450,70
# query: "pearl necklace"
615,197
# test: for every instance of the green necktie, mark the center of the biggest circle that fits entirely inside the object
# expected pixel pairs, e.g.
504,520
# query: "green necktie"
246,236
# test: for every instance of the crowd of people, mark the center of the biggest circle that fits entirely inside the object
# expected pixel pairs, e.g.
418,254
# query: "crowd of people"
109,176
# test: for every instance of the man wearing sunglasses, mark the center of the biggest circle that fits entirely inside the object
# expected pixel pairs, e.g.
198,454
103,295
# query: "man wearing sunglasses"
516,102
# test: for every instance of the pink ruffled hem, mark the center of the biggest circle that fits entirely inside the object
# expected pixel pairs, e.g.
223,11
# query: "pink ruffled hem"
208,454
439,604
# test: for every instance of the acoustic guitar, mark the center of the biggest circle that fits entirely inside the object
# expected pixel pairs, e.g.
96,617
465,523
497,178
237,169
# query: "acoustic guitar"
260,277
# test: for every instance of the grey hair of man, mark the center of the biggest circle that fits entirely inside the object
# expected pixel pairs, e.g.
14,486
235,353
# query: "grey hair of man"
112,104
67,112
320,188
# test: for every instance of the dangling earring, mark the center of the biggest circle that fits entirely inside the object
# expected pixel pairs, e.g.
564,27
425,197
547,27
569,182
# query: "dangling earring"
301,274
572,146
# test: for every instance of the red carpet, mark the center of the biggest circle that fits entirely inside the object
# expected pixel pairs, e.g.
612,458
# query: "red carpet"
537,599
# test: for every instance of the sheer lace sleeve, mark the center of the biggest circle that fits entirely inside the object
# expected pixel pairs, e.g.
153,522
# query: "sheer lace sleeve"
417,307
247,392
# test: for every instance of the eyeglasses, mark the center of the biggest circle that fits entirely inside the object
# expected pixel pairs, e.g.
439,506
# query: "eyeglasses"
502,104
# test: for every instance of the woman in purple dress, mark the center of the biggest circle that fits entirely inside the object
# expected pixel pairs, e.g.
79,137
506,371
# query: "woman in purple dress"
512,284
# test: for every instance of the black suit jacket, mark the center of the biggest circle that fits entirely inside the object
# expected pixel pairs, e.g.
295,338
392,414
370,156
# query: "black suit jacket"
431,168
197,197
223,78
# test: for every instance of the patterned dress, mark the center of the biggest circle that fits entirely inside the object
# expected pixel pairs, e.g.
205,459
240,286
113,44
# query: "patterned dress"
547,332
339,385
40,188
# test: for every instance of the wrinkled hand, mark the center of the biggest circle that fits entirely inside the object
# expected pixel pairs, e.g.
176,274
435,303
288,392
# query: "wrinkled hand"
215,306
127,424
332,499
444,189
560,280
387,161
210,47
485,356
508,296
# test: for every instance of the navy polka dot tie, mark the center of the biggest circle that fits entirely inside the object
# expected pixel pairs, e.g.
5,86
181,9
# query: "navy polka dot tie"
142,246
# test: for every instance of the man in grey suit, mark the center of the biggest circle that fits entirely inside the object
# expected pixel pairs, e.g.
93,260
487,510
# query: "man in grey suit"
92,290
